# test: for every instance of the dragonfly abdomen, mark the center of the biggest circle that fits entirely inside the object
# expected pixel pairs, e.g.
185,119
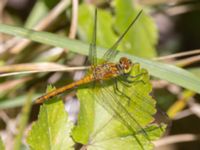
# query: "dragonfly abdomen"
60,90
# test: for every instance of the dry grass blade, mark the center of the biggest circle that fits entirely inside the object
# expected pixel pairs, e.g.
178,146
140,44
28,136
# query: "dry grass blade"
35,68
188,61
9,85
177,55
176,139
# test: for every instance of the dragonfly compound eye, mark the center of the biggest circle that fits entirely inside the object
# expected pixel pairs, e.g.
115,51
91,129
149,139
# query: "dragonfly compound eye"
125,64
123,60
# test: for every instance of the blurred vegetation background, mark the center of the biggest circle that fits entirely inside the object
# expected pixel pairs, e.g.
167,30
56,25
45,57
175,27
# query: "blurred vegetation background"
165,28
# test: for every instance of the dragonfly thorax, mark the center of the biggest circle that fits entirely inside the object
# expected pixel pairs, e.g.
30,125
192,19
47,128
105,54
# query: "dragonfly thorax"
125,65
111,70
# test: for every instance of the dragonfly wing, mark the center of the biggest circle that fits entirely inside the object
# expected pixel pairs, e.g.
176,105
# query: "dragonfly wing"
136,113
111,53
92,50
120,111
117,119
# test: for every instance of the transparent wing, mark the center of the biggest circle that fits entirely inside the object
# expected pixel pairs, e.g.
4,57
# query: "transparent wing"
92,50
112,52
131,118
135,113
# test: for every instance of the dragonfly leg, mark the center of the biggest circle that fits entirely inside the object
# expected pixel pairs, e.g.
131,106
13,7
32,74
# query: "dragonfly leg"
136,76
125,82
129,78
125,79
137,81
119,92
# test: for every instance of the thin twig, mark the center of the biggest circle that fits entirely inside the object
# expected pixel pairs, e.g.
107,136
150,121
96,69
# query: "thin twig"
72,30
9,43
10,84
177,55
43,70
187,61
159,83
52,15
37,67
73,27
194,107
4,116
181,9
176,139
183,114
158,2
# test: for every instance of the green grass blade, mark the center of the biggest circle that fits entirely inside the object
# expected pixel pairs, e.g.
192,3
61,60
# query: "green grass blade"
23,122
15,102
38,12
163,71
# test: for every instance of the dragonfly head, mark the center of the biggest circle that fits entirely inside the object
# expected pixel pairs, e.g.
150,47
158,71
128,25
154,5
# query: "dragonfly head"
125,64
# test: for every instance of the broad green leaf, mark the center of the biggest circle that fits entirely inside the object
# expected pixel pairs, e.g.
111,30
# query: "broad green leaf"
143,36
133,43
52,129
105,34
119,122
85,125
38,12
163,71
2,147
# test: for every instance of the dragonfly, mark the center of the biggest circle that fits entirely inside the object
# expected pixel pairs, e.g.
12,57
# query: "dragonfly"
106,70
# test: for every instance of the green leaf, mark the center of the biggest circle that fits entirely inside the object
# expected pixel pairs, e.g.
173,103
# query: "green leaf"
85,125
133,43
52,130
143,36
2,147
118,122
105,34
163,71
37,13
